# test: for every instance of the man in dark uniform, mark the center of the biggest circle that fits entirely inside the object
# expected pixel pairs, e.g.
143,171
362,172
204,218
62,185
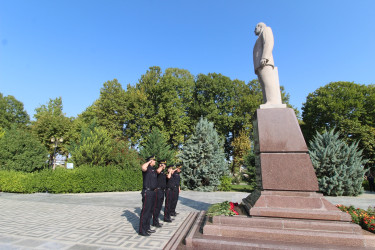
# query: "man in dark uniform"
148,196
176,190
162,184
169,195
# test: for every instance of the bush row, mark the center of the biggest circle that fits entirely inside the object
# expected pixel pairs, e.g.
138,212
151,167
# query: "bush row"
84,179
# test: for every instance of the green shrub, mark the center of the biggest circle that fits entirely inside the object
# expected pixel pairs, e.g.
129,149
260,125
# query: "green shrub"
338,166
21,151
365,185
17,182
225,183
84,179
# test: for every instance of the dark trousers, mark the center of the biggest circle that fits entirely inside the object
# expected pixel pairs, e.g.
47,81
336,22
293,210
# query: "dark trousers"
168,203
174,200
148,204
159,204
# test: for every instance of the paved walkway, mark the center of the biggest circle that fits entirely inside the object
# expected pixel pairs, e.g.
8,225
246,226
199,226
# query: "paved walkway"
102,220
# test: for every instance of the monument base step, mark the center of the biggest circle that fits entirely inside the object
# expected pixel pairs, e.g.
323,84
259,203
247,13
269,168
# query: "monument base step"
293,204
241,232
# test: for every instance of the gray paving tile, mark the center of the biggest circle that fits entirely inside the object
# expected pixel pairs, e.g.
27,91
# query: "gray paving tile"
101,220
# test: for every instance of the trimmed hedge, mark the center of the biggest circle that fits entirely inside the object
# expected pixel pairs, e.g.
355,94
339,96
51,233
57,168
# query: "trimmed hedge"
85,179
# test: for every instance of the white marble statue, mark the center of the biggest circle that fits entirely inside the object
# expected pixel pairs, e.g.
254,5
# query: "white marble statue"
265,69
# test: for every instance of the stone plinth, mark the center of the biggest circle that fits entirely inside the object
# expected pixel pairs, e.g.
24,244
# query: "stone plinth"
294,205
285,212
309,232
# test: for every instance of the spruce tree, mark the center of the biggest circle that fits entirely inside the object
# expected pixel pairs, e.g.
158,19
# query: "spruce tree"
338,166
203,159
156,144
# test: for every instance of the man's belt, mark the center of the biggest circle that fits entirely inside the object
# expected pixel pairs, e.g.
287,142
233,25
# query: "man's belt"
160,188
149,189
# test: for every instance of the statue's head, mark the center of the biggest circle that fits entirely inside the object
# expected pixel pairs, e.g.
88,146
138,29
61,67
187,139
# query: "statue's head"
259,28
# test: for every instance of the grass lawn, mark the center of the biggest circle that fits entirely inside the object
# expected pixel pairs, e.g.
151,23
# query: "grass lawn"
242,188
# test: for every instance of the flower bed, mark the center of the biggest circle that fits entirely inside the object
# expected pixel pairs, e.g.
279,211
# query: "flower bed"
364,218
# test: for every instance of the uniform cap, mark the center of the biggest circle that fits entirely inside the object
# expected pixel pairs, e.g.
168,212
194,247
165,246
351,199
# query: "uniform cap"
152,157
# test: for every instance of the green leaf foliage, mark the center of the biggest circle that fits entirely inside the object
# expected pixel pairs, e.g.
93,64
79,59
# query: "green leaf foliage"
163,101
12,112
220,209
109,110
52,122
203,159
338,166
84,179
347,106
229,104
249,175
94,148
156,144
21,151
225,183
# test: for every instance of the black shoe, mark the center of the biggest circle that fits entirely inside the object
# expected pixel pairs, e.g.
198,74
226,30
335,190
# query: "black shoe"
144,234
158,225
167,220
150,231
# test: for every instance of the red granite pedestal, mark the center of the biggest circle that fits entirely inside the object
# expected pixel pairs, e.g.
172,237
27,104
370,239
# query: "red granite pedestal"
285,208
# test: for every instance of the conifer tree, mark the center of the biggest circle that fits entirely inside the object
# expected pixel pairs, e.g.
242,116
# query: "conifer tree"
156,144
338,166
203,159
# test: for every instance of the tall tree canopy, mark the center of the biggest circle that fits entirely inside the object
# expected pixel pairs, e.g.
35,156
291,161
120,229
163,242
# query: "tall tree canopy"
52,122
12,112
230,104
109,110
347,106
162,101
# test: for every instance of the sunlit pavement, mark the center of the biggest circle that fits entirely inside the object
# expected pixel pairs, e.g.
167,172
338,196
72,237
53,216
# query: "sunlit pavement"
103,220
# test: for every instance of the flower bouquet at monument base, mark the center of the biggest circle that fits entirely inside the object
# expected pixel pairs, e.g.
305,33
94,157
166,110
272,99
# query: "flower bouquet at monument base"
226,208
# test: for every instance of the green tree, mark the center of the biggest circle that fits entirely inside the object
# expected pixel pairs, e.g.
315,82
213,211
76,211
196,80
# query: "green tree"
241,148
123,156
109,110
12,112
52,122
203,159
94,149
249,175
162,101
174,98
21,151
338,166
142,106
156,144
347,106
229,104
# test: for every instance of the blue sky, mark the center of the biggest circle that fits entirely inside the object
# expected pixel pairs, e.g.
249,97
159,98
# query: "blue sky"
70,48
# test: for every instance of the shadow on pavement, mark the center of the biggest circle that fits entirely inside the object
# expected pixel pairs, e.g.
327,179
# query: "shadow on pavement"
198,205
133,217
